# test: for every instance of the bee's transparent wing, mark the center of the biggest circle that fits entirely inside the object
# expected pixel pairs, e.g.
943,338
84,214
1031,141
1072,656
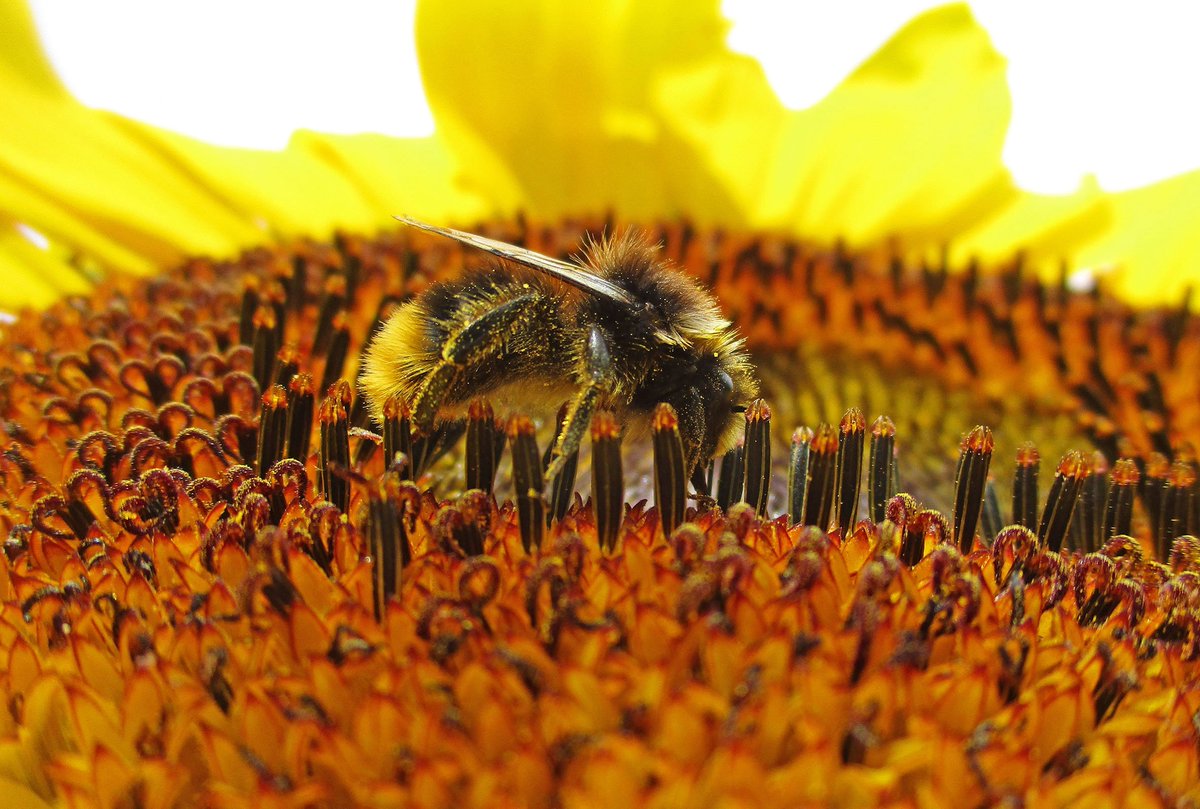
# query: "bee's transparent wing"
573,274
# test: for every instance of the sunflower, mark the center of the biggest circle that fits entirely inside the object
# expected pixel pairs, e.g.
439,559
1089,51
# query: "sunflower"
223,585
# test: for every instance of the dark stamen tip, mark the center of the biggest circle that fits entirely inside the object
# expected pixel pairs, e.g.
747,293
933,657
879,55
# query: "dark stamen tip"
527,481
758,455
975,456
1060,503
670,477
848,472
881,484
482,454
608,487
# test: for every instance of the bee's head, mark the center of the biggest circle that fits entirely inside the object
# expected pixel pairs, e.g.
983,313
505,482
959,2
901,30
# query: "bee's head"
726,385
676,317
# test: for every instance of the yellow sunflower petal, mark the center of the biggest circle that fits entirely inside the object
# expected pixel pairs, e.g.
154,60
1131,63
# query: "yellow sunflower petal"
76,175
87,163
1153,244
909,144
651,113
554,110
288,192
71,227
1046,228
726,110
22,57
120,194
33,276
416,176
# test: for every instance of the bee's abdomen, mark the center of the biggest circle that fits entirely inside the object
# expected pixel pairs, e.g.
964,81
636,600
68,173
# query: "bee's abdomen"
398,357
537,343
411,344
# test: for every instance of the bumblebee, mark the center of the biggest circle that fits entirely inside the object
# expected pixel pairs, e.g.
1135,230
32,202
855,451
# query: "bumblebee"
619,329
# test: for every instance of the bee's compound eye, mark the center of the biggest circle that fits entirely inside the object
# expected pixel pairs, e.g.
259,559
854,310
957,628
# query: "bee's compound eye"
725,381
724,390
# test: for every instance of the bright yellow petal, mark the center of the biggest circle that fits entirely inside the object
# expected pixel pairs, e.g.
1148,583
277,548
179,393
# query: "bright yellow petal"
122,195
91,166
22,58
288,192
415,176
647,111
550,105
1154,244
68,227
76,176
320,182
908,145
1047,229
726,111
32,276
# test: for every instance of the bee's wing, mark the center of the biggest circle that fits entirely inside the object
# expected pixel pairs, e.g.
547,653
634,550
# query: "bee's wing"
573,274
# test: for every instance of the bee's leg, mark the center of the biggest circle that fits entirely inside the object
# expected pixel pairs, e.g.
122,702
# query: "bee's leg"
481,339
690,412
597,370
